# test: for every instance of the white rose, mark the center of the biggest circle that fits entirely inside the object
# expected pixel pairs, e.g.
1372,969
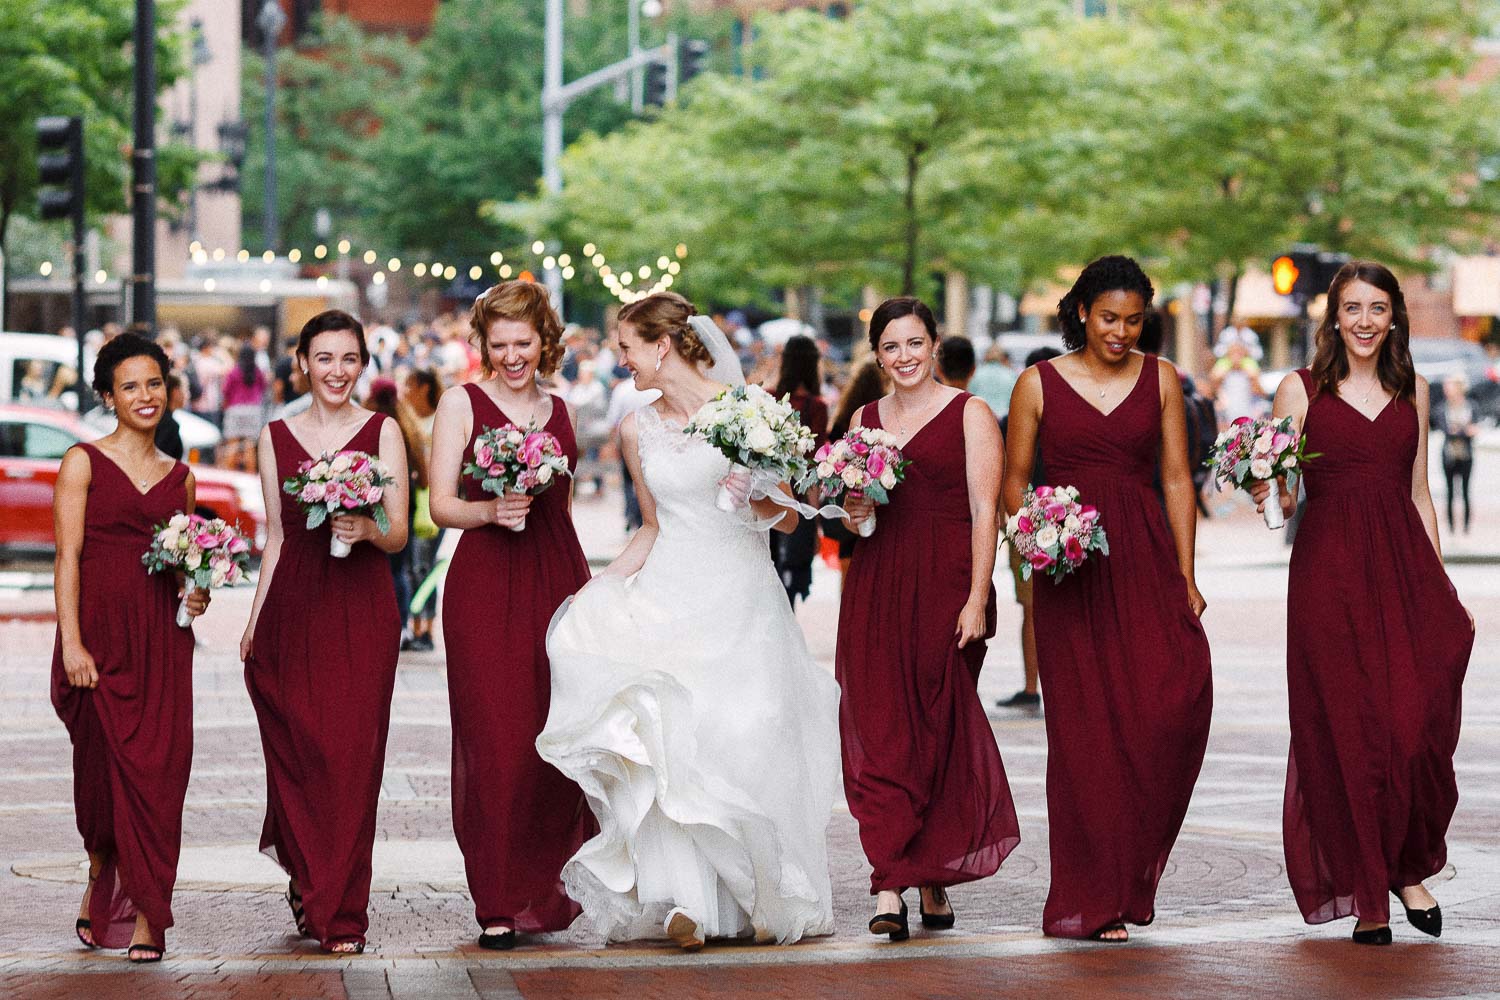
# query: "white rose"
178,522
1047,537
888,478
1290,461
169,538
1012,524
1071,524
544,474
1070,493
1263,443
514,437
825,469
852,477
194,560
218,578
1260,469
760,438
341,463
318,471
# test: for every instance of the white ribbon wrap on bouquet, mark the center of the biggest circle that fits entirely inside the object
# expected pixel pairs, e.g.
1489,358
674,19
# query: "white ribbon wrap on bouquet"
765,484
866,528
338,548
184,618
1272,509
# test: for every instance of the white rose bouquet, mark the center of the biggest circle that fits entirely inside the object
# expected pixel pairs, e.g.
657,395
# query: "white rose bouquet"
1259,449
755,431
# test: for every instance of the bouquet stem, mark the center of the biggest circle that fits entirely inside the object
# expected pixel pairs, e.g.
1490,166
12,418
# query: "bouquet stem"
866,527
184,619
1272,509
338,548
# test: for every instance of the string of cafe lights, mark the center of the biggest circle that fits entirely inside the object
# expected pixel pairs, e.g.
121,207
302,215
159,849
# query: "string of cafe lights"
628,284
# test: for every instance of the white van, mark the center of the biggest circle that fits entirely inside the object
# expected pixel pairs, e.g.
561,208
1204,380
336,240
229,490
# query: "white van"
30,366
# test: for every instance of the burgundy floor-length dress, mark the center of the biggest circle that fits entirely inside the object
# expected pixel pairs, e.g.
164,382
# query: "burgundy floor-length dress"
1377,647
133,734
517,819
922,772
321,672
1124,667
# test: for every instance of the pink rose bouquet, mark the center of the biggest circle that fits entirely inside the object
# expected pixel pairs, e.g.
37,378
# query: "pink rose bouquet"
510,460
1253,449
864,464
349,482
209,552
1053,533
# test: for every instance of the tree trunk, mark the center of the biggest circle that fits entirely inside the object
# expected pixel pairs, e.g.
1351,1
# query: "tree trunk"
1229,297
5,214
913,228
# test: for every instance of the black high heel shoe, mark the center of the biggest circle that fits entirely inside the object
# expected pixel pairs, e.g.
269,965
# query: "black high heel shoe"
1429,921
937,921
1375,935
893,924
299,916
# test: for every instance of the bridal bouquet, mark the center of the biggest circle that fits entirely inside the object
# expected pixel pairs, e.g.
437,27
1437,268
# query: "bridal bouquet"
209,552
864,463
1253,449
350,482
1053,533
510,460
755,431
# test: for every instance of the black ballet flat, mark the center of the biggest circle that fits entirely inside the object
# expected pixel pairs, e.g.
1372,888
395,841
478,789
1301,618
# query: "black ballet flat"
142,954
1429,922
503,940
938,921
893,924
1116,926
1376,935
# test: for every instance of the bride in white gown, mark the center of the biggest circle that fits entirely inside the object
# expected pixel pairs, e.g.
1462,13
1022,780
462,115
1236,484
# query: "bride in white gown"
685,703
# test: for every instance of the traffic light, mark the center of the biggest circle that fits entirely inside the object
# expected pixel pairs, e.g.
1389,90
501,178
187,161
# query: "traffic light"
655,91
59,164
1305,272
691,59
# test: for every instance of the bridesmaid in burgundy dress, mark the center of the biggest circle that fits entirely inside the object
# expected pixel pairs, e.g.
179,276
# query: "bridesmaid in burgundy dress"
517,819
320,650
1123,659
121,668
921,770
1377,641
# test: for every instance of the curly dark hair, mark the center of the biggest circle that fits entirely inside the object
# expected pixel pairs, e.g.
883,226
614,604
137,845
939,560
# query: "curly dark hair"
1115,273
120,349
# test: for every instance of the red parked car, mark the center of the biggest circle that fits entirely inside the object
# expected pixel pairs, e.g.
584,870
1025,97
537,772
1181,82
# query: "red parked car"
32,443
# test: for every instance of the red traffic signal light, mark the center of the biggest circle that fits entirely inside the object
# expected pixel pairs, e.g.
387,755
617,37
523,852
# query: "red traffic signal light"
1284,272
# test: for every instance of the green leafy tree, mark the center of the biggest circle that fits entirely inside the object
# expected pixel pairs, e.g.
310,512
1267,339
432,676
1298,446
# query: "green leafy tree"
74,59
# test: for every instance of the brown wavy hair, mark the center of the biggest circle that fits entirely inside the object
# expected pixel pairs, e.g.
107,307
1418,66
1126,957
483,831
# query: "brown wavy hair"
527,302
1330,363
666,314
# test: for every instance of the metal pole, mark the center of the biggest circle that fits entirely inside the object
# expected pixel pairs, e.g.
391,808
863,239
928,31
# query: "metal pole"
637,77
271,21
143,179
80,309
552,126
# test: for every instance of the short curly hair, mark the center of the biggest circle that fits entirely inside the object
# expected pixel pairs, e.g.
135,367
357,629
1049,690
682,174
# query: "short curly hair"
527,302
121,349
666,314
1115,273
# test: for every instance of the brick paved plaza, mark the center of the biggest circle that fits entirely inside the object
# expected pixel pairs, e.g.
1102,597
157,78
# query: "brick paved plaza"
1226,922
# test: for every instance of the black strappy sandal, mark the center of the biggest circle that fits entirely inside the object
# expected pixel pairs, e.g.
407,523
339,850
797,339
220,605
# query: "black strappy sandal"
85,923
1118,925
937,921
143,954
299,915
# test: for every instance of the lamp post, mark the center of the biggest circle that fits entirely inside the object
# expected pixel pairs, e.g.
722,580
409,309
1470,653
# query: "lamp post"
271,22
142,281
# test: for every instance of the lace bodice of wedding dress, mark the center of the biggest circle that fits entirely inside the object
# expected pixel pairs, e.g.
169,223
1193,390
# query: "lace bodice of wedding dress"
686,706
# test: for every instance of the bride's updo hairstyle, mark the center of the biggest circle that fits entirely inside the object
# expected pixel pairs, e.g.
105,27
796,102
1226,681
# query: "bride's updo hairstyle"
666,314
527,302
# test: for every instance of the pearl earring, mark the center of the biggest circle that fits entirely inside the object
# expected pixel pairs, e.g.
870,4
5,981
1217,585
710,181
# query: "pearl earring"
658,362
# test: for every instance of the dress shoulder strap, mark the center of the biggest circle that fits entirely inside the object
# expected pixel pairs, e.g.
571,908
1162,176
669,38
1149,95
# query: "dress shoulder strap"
1308,384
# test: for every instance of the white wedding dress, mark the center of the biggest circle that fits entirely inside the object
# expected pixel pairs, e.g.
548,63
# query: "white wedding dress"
686,706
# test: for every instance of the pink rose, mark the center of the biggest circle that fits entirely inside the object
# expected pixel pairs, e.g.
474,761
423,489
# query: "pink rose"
207,540
875,464
860,448
1056,512
374,494
1040,560
1280,442
350,502
496,470
822,453
313,493
238,545
1043,492
483,454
